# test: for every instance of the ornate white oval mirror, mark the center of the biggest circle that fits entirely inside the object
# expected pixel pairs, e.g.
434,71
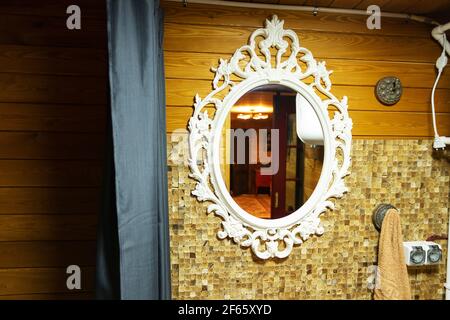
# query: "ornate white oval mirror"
270,145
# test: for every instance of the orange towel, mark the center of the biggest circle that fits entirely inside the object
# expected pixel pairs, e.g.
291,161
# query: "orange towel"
392,281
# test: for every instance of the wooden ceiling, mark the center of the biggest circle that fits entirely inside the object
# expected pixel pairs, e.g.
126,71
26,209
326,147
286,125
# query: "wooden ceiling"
438,9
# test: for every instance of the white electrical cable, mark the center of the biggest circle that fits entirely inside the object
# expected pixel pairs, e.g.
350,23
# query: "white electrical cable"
436,134
440,65
269,6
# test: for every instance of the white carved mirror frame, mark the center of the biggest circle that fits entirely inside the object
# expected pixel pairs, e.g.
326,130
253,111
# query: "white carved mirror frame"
269,238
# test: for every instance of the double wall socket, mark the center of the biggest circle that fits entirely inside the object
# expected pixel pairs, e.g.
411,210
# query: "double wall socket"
419,253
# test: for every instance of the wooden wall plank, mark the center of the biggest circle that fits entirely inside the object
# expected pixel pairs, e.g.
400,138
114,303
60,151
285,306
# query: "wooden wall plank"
53,61
438,9
180,92
412,100
225,40
29,88
50,173
85,295
38,254
50,31
52,117
345,4
240,17
53,102
51,145
318,3
188,65
47,227
398,124
50,200
91,9
364,122
42,280
196,37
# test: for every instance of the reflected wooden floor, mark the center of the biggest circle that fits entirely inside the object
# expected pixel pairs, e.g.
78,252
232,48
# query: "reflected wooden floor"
255,204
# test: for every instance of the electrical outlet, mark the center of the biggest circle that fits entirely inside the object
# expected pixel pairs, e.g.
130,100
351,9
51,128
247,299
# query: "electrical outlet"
418,253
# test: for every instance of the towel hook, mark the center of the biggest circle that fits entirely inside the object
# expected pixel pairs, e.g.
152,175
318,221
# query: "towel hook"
379,213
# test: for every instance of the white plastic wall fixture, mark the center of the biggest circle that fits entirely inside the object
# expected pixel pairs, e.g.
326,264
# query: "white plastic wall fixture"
425,246
309,129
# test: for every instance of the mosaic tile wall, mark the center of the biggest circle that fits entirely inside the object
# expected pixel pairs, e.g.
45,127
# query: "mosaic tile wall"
337,265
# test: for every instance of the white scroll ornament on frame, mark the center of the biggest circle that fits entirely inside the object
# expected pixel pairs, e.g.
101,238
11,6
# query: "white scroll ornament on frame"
293,67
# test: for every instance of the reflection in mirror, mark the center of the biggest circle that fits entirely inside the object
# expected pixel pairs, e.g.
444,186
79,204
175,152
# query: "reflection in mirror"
269,172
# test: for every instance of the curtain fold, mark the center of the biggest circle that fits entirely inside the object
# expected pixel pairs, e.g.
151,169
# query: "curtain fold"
137,93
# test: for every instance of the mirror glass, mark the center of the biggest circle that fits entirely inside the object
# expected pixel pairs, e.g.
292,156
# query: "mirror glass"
268,170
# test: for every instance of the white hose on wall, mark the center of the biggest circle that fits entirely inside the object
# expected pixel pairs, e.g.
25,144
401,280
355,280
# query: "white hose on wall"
438,33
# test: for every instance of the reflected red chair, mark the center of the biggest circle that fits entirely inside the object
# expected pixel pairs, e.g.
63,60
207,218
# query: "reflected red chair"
262,180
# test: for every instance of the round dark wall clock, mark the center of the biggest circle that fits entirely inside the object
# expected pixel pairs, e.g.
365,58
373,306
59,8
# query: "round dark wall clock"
389,90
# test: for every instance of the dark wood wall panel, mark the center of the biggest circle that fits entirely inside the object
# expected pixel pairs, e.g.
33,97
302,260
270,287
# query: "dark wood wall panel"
53,104
52,117
49,200
19,281
47,227
53,61
92,9
83,295
51,145
50,173
45,31
42,254
31,88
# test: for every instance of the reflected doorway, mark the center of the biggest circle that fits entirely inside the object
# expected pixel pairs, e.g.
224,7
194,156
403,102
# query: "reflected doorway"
278,195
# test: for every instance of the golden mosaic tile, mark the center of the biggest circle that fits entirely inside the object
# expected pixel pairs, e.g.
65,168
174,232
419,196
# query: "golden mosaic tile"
336,265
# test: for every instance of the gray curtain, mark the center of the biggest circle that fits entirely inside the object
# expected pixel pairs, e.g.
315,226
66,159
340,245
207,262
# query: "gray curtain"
139,170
